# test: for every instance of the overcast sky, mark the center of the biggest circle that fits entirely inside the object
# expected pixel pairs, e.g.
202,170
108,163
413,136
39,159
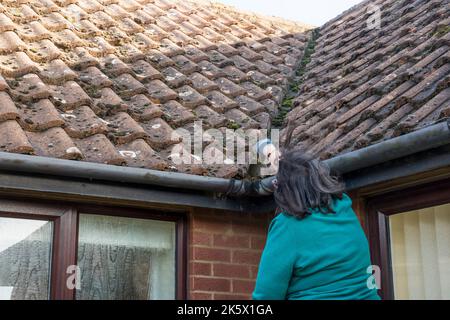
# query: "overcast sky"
315,12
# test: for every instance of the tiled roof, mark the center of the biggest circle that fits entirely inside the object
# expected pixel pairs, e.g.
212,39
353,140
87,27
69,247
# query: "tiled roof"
109,80
366,85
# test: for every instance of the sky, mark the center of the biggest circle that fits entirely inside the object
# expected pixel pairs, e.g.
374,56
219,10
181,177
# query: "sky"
314,12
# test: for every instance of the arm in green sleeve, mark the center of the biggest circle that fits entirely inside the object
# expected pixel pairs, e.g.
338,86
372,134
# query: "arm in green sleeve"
277,262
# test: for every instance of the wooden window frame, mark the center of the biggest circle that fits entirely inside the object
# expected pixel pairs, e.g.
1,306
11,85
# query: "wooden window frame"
65,236
381,207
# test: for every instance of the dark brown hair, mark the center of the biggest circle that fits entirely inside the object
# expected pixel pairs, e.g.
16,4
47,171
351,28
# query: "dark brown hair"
304,183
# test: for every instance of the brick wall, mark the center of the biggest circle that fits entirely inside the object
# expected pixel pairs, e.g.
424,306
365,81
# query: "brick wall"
224,253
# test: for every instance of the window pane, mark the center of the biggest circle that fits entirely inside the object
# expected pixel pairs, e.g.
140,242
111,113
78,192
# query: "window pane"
420,251
25,258
124,258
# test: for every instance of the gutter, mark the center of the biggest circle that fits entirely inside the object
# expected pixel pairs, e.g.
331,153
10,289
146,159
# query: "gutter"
421,140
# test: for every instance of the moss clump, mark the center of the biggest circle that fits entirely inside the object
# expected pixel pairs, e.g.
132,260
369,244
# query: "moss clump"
441,31
233,125
294,88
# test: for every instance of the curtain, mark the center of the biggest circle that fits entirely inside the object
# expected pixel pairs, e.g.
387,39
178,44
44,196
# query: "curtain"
124,258
420,252
25,255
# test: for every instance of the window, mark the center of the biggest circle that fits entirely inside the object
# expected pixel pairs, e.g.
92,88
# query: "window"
25,255
120,253
420,253
409,234
125,258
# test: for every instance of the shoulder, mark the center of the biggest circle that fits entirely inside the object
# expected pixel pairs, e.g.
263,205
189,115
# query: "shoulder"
342,204
283,218
283,221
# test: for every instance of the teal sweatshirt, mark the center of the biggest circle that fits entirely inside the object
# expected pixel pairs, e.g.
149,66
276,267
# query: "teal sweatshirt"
323,256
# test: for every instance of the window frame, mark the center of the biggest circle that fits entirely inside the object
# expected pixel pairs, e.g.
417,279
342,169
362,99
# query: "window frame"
65,235
381,207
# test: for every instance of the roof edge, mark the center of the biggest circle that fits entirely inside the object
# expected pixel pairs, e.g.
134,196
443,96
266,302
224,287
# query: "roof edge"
290,25
425,139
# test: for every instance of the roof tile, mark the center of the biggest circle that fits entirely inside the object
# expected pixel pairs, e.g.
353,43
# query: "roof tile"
92,77
239,117
113,66
145,72
13,138
219,59
185,65
69,96
234,74
219,102
210,117
249,106
195,54
243,64
39,116
10,42
160,134
82,122
56,71
6,23
264,120
28,88
127,86
255,92
34,31
189,97
201,83
98,148
414,119
160,93
210,70
123,129
142,109
43,51
175,114
227,50
107,102
8,110
139,154
265,67
160,60
54,22
173,77
229,88
55,143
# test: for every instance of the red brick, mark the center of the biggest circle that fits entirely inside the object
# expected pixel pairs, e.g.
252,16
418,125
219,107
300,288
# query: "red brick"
253,272
222,296
257,242
198,268
211,225
246,227
243,286
211,284
201,238
201,296
231,241
231,270
246,257
211,254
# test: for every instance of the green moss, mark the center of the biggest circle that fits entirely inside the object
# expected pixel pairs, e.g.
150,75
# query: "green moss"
233,125
294,88
441,31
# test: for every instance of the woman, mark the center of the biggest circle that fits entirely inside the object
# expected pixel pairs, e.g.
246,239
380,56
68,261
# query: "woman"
316,248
